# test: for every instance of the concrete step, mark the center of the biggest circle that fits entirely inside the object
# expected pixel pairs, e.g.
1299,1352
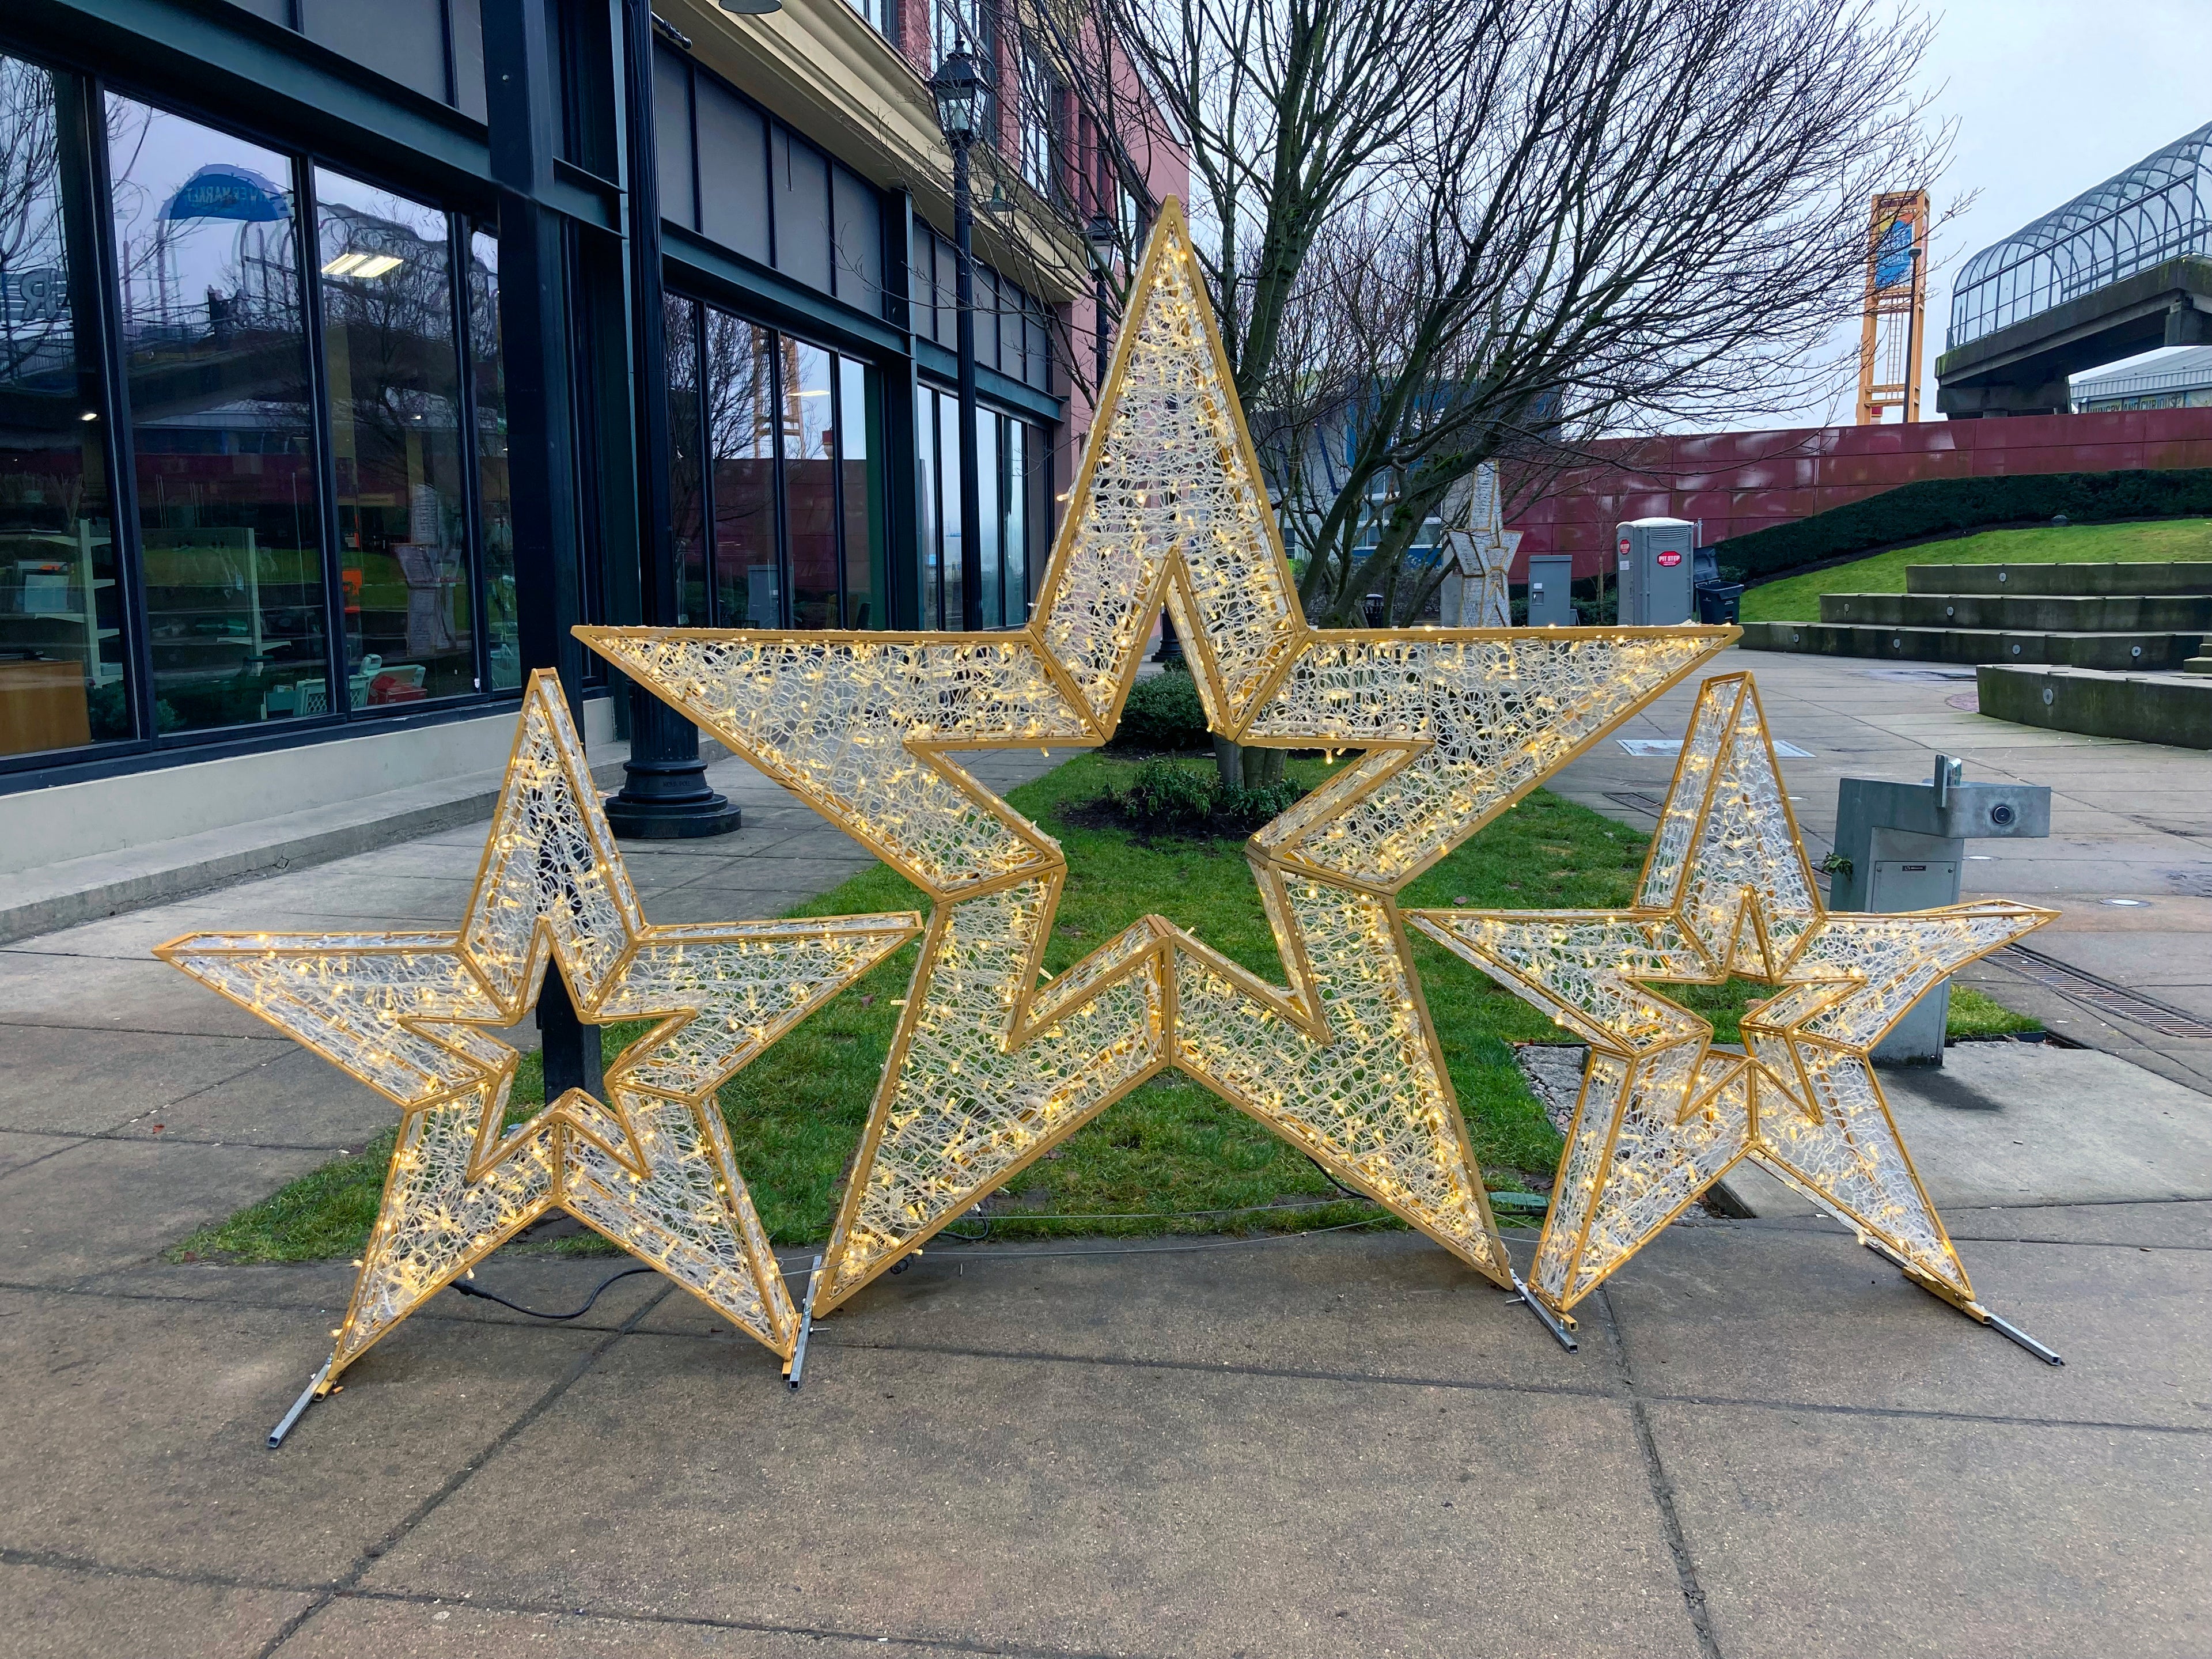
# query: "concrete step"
1971,646
2169,708
2198,665
2126,613
2169,576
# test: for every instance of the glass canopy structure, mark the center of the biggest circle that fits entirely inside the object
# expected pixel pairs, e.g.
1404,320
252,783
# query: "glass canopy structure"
2160,209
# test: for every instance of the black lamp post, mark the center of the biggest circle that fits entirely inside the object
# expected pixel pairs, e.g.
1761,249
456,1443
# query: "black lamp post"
664,794
958,90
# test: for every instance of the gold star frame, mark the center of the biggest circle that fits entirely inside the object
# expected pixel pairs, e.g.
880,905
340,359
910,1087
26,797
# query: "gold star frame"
413,1015
994,1064
1664,1113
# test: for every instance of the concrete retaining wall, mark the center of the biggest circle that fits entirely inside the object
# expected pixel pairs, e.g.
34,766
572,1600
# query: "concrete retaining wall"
2174,710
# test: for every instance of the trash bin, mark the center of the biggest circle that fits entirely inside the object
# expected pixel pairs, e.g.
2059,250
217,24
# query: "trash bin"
1718,602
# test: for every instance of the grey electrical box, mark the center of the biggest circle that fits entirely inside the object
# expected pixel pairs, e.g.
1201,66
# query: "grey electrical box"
1654,559
1551,590
1902,846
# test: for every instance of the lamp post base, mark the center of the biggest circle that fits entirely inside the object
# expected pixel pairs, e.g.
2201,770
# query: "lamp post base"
664,794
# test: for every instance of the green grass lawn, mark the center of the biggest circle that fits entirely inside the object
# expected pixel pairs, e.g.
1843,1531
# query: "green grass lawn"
1169,1157
1797,598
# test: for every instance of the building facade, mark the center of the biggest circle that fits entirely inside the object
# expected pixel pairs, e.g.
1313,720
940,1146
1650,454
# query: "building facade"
259,514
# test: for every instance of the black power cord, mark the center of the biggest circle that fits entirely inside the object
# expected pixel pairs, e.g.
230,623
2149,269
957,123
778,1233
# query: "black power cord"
467,1289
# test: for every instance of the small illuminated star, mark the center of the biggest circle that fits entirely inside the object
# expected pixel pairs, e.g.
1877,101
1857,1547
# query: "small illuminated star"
1664,1113
413,1015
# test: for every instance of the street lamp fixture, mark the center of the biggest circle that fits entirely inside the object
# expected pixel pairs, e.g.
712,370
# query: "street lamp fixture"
957,88
959,91
1100,238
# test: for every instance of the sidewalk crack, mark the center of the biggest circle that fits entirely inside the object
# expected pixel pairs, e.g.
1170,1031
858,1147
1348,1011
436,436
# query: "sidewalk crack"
1662,1490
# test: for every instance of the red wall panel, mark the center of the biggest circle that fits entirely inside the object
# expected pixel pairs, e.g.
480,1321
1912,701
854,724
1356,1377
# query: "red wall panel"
1740,482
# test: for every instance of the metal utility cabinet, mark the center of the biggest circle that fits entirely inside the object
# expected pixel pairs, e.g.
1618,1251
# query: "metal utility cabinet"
1653,560
1551,590
1902,846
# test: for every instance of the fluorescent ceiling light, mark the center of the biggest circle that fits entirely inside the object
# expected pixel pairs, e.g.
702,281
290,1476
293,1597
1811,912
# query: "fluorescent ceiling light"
362,264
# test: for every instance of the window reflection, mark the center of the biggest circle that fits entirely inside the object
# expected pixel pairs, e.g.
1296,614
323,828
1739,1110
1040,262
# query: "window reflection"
687,485
949,462
213,344
395,398
494,500
860,436
61,645
810,483
929,490
739,397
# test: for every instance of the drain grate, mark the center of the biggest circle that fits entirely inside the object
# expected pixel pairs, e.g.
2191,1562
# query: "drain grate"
1636,800
2102,996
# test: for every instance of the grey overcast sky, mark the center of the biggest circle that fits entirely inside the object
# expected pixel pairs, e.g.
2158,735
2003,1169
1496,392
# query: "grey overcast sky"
2051,97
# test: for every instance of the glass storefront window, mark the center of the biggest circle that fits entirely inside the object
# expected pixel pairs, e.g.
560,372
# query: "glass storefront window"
1010,456
394,367
62,679
988,537
810,483
687,485
860,435
949,452
494,499
930,492
221,422
1021,559
740,399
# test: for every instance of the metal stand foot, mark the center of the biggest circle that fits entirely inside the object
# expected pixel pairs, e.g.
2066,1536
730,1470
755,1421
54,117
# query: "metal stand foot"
1973,1310
2005,1327
805,1326
299,1408
1544,1316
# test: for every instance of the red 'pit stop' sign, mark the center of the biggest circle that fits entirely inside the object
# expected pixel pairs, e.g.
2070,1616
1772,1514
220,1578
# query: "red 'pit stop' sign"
1669,559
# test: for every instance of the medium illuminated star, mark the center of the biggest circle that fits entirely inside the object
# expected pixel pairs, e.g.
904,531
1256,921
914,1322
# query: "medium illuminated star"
1664,1113
413,1015
990,1069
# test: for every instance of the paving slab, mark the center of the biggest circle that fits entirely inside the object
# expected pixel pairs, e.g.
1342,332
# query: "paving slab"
106,993
61,1078
17,1148
1389,1306
1814,1537
1020,1506
287,1099
425,1628
137,1431
1741,1311
63,1613
103,1204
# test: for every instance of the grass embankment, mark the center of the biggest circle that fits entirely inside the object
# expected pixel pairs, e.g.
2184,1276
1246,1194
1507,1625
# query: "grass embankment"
1169,1150
1797,598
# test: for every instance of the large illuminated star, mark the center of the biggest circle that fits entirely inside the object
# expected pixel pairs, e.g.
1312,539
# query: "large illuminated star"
413,1015
990,1068
1664,1113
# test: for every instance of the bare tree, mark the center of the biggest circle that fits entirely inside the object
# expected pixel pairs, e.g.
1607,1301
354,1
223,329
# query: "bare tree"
1439,233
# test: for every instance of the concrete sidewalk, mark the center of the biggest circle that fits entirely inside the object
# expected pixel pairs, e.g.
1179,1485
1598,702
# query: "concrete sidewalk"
1333,1445
2128,866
